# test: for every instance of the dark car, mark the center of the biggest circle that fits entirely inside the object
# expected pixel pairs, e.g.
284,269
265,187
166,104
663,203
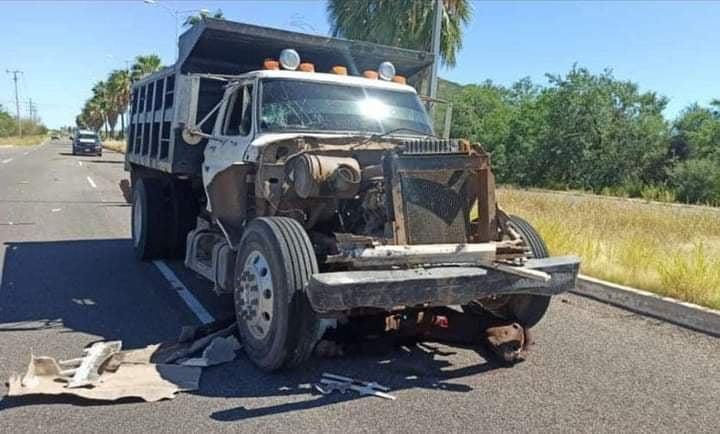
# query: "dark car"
87,142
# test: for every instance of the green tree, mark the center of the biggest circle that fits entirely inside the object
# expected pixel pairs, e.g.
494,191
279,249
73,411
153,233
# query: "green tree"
118,86
200,16
402,23
482,114
145,64
696,133
597,131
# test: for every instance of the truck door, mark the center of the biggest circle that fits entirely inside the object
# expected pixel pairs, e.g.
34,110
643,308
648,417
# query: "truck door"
224,169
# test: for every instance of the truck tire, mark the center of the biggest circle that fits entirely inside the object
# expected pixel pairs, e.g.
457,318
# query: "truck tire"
148,219
529,309
183,211
277,325
526,309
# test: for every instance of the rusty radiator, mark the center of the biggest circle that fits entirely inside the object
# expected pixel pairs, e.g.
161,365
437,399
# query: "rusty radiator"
433,184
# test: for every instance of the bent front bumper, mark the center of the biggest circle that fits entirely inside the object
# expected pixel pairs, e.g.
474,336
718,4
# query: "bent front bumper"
435,286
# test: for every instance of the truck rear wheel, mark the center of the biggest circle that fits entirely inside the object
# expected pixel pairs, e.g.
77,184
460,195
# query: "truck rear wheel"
148,215
526,309
276,322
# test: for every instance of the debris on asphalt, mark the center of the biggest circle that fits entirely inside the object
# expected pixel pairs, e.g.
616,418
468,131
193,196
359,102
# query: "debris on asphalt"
330,383
221,350
147,381
156,372
87,371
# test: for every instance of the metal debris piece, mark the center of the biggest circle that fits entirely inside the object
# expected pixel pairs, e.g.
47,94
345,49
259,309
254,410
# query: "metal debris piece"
221,350
88,371
332,382
181,350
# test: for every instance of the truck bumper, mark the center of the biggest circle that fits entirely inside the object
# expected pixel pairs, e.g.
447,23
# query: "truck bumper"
435,286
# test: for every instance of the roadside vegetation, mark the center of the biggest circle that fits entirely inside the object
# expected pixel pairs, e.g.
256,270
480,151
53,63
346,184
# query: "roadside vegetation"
33,130
34,139
115,145
668,250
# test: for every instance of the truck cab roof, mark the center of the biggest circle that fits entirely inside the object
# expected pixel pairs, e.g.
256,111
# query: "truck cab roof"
324,78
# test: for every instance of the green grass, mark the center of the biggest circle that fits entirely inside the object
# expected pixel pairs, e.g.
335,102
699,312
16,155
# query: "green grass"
22,141
669,250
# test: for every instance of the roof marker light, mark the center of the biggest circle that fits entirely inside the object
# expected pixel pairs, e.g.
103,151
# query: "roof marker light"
271,64
399,79
307,67
289,59
386,70
339,70
372,75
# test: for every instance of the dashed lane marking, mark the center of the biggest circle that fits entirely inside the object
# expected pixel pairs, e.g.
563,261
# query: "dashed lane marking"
193,303
6,161
91,182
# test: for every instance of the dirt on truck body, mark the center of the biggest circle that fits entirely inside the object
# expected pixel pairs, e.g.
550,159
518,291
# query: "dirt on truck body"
302,174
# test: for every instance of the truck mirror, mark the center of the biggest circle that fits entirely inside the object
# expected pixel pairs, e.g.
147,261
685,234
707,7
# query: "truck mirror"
193,136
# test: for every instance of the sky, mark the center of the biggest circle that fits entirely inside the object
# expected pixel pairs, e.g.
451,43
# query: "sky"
671,48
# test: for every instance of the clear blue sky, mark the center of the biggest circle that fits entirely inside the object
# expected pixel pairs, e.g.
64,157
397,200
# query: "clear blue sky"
672,48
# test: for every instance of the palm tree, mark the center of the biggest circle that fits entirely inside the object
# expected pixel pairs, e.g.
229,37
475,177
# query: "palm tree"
197,19
402,23
144,65
119,93
91,116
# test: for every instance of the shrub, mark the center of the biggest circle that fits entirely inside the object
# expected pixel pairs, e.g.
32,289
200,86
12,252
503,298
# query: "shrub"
697,181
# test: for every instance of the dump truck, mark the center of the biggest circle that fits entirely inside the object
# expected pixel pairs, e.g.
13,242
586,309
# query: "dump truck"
301,174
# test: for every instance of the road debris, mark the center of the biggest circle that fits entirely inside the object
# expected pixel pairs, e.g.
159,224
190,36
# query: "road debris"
149,382
88,373
221,350
330,383
152,373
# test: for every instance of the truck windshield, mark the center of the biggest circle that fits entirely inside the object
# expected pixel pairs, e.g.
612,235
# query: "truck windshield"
291,105
87,137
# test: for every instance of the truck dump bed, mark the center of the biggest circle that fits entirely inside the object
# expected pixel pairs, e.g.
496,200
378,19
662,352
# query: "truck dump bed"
164,102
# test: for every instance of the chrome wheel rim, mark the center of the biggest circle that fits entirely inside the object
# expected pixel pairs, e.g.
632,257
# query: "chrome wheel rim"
256,295
137,221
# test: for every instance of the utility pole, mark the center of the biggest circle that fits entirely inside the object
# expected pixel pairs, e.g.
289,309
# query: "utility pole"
436,31
31,109
15,73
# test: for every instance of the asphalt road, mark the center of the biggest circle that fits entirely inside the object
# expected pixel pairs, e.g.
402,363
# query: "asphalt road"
68,278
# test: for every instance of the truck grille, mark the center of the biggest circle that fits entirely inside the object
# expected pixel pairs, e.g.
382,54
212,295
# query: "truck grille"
434,146
432,194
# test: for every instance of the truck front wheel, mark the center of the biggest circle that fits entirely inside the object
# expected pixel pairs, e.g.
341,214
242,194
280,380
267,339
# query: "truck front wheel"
526,309
275,261
148,205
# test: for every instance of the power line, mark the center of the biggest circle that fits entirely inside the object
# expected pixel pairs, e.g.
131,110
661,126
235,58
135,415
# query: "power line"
15,73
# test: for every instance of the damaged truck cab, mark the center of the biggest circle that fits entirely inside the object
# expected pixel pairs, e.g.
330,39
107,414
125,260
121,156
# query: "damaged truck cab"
302,175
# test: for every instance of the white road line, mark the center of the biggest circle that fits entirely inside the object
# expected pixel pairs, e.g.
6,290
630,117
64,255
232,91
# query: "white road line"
92,183
6,161
193,303
25,153
79,163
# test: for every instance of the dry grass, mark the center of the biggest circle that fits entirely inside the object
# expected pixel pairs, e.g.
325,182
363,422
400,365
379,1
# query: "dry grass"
22,141
668,250
115,145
